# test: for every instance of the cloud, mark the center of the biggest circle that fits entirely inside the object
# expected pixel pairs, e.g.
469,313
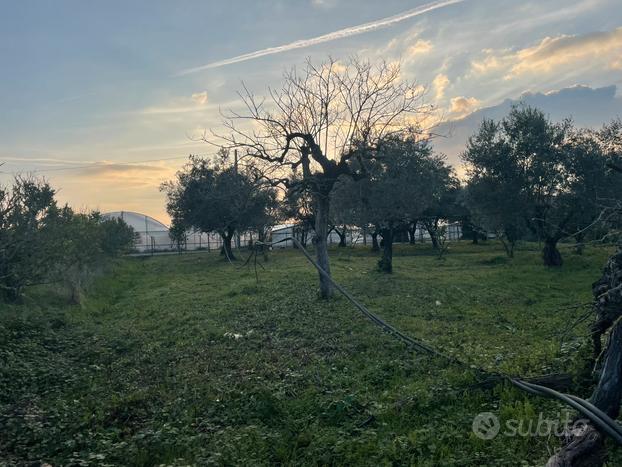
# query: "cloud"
117,186
165,110
195,103
200,97
460,106
340,34
492,60
123,176
116,169
440,84
588,107
598,49
421,47
323,3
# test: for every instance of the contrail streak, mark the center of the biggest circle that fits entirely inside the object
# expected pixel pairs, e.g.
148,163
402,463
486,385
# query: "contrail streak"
331,36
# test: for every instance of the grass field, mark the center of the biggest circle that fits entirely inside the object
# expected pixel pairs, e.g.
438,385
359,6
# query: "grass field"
188,360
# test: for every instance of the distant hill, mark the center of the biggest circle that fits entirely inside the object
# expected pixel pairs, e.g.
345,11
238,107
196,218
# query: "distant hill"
588,107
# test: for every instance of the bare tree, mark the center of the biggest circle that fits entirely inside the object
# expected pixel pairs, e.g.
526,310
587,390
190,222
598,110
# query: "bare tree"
322,119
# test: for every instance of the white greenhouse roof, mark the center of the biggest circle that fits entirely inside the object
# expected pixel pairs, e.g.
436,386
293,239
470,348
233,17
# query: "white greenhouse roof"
282,227
139,222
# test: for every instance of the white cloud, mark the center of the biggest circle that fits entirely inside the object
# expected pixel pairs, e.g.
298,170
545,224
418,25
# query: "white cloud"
324,3
421,47
195,103
461,106
600,50
200,97
492,60
440,83
119,169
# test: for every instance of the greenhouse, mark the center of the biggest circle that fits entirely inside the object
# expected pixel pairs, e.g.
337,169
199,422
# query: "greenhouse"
152,236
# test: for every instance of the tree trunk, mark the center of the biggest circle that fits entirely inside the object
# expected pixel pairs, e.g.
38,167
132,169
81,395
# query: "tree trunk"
411,233
226,246
550,254
261,235
296,233
386,262
433,231
608,393
579,245
508,245
374,242
586,447
474,236
608,304
75,293
342,237
321,247
303,236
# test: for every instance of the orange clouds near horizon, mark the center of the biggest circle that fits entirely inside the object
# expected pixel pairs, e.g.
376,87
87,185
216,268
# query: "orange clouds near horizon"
116,187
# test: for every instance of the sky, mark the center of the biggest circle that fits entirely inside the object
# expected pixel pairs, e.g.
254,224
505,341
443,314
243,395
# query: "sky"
105,99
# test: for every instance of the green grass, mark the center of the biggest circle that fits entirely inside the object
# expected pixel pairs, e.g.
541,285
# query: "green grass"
148,371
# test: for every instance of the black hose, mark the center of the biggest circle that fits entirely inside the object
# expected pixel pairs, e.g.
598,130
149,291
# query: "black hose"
606,423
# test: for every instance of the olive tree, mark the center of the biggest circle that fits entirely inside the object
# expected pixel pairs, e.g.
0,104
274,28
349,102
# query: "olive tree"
322,118
529,172
405,179
407,183
212,196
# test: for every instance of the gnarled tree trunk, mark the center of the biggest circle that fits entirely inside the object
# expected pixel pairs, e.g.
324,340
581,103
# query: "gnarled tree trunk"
508,245
374,241
608,299
579,245
412,229
342,236
261,234
320,240
226,249
584,447
432,229
550,254
386,262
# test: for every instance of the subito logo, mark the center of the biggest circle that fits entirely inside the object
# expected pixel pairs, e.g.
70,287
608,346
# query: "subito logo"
486,425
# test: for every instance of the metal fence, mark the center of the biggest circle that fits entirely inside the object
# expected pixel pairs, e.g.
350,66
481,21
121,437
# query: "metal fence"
159,241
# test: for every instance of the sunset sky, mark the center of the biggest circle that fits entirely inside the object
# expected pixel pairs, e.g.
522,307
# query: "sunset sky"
103,98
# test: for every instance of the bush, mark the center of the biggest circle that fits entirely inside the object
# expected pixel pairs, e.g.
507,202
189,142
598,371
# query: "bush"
40,242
